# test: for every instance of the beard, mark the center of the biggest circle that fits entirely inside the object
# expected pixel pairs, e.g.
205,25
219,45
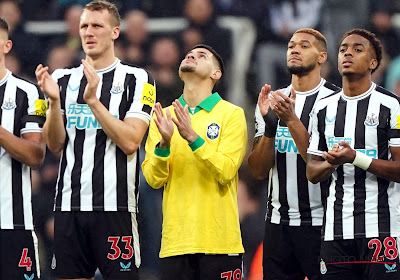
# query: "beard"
187,68
300,70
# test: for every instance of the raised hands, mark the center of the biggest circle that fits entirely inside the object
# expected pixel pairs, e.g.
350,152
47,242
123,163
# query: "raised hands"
92,82
46,83
263,99
183,122
282,105
164,125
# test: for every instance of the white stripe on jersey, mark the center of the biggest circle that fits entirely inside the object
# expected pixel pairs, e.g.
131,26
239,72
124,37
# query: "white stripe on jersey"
369,207
296,209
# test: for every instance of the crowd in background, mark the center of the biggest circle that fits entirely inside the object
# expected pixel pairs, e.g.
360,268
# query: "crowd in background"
160,54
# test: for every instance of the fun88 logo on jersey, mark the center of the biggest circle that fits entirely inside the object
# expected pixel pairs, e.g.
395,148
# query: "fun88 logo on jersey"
284,142
81,117
335,140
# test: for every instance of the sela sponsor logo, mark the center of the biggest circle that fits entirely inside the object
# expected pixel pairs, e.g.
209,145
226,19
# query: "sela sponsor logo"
72,88
330,121
9,104
117,88
125,267
371,120
29,277
81,117
284,142
390,268
213,131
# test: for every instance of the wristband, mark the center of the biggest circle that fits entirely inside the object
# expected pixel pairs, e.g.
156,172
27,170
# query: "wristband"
271,123
362,160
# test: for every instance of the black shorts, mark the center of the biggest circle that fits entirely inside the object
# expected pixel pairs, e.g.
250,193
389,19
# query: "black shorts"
363,258
202,266
19,256
85,241
291,252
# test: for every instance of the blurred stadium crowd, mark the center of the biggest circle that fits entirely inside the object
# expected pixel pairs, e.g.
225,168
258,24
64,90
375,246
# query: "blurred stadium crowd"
273,22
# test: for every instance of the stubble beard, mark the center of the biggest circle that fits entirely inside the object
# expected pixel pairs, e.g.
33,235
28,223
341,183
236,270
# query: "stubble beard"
187,68
300,70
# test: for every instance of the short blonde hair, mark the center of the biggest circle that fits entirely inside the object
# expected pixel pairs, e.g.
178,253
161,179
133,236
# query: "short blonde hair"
99,5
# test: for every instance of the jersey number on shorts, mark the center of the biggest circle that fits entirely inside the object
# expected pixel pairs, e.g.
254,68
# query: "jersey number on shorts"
237,275
390,251
25,261
117,251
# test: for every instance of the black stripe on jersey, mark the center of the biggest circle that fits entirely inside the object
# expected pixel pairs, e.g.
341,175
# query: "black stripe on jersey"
360,174
269,199
302,191
130,83
322,146
63,84
63,165
76,170
339,132
122,173
383,184
338,204
383,132
330,86
281,167
137,177
308,106
78,153
2,89
21,101
100,148
388,93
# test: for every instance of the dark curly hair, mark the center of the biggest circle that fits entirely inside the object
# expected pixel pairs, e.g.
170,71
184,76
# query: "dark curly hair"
373,40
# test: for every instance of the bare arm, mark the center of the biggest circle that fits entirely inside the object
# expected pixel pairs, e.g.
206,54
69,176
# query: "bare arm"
262,157
30,149
318,169
53,129
127,134
387,169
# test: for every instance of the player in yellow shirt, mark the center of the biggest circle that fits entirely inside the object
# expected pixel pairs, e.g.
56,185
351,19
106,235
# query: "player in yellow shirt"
194,149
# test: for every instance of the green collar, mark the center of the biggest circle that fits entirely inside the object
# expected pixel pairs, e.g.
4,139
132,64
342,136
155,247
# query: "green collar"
207,104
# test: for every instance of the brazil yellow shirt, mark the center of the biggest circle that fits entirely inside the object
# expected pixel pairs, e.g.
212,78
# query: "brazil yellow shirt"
200,213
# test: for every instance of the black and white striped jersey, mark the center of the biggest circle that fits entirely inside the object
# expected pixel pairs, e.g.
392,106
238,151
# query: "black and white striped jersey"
293,200
23,110
359,205
94,173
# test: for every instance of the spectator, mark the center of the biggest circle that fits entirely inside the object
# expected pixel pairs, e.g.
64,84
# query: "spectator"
282,19
27,47
165,58
135,39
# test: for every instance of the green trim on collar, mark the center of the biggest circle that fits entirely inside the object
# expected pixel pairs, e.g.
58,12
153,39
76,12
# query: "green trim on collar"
207,104
196,143
162,152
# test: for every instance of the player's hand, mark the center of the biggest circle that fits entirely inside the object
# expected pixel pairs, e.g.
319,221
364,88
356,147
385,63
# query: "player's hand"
46,83
283,106
164,125
263,99
340,154
93,80
183,122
